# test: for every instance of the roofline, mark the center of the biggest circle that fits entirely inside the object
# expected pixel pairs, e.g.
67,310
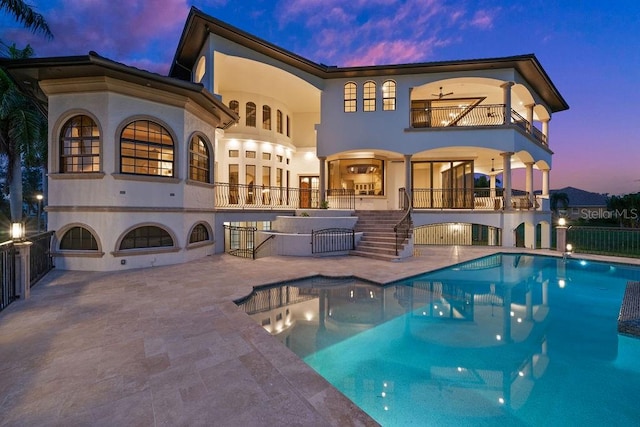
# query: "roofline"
199,24
63,67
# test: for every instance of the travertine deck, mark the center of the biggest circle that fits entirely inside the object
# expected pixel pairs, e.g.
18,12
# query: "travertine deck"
166,346
629,318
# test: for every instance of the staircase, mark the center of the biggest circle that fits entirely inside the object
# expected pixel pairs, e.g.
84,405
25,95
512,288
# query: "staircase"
379,239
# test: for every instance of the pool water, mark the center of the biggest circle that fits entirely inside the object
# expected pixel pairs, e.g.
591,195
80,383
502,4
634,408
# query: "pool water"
503,340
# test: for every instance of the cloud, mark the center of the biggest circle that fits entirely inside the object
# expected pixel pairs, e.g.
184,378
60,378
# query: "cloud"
374,32
482,19
119,29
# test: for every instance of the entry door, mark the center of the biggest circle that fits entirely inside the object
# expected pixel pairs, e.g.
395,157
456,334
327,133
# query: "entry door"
307,196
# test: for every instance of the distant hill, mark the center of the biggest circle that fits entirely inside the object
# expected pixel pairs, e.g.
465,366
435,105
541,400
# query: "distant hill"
582,198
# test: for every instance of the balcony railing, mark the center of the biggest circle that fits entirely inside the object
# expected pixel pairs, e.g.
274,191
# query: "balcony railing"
471,116
468,198
240,196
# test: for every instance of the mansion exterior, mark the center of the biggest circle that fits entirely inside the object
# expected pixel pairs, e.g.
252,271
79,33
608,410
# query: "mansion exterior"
147,170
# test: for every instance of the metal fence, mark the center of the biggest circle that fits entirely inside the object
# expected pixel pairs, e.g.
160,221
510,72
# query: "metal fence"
605,240
239,241
7,274
332,240
341,198
41,261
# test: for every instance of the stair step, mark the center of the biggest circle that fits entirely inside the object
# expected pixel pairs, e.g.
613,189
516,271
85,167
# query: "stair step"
381,257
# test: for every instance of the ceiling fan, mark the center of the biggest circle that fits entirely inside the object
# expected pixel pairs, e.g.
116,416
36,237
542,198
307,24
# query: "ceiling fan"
441,95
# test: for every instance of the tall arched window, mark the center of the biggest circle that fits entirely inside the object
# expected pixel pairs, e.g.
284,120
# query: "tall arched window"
234,106
369,98
266,117
350,97
146,148
389,95
199,160
78,239
279,121
147,236
251,115
80,145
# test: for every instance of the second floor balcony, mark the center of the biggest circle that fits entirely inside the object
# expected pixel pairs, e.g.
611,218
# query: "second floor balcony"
469,114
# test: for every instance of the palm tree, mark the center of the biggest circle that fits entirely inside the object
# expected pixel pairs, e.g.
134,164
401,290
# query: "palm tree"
27,16
23,131
559,198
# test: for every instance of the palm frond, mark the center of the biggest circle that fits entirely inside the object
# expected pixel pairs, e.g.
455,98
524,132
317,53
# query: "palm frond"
27,16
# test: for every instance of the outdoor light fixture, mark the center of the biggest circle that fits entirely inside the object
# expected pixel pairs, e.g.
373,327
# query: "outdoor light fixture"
569,247
39,198
562,222
17,231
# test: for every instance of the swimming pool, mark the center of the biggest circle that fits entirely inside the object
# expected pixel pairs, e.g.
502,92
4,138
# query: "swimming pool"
503,340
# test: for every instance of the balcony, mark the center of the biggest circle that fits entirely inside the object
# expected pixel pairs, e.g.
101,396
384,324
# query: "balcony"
473,199
240,196
469,115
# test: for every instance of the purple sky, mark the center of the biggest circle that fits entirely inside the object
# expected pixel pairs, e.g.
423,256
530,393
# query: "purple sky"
588,48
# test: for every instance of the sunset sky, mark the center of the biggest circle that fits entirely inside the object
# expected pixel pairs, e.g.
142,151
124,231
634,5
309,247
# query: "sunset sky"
590,49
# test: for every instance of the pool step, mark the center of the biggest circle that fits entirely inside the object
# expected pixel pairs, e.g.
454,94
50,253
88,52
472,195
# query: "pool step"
629,318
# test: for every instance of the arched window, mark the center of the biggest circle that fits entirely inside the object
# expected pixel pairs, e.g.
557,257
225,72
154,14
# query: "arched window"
234,106
80,145
266,117
146,148
279,121
147,236
369,98
251,115
199,160
78,239
389,95
199,234
350,97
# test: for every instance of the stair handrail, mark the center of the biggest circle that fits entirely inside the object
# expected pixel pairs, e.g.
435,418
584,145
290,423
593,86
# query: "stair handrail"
403,224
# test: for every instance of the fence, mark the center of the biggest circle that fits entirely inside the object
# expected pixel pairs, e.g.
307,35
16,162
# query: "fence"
332,240
7,274
605,240
41,261
239,241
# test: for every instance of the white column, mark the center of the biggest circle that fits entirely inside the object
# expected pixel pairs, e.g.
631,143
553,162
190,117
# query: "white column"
322,178
506,87
407,174
506,179
22,269
545,129
492,185
545,182
529,183
529,117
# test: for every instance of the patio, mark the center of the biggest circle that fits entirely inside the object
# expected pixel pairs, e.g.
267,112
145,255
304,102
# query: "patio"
167,346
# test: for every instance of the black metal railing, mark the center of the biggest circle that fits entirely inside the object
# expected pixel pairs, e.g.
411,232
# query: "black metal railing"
41,261
403,227
7,274
239,241
469,116
340,198
243,196
605,240
332,240
468,198
262,245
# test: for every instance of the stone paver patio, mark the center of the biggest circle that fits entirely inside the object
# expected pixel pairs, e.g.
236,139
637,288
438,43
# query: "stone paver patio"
166,346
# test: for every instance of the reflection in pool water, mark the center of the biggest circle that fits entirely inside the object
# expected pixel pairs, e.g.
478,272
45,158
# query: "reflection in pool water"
507,339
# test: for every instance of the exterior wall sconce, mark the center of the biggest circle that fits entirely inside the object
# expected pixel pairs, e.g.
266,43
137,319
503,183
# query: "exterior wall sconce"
17,231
